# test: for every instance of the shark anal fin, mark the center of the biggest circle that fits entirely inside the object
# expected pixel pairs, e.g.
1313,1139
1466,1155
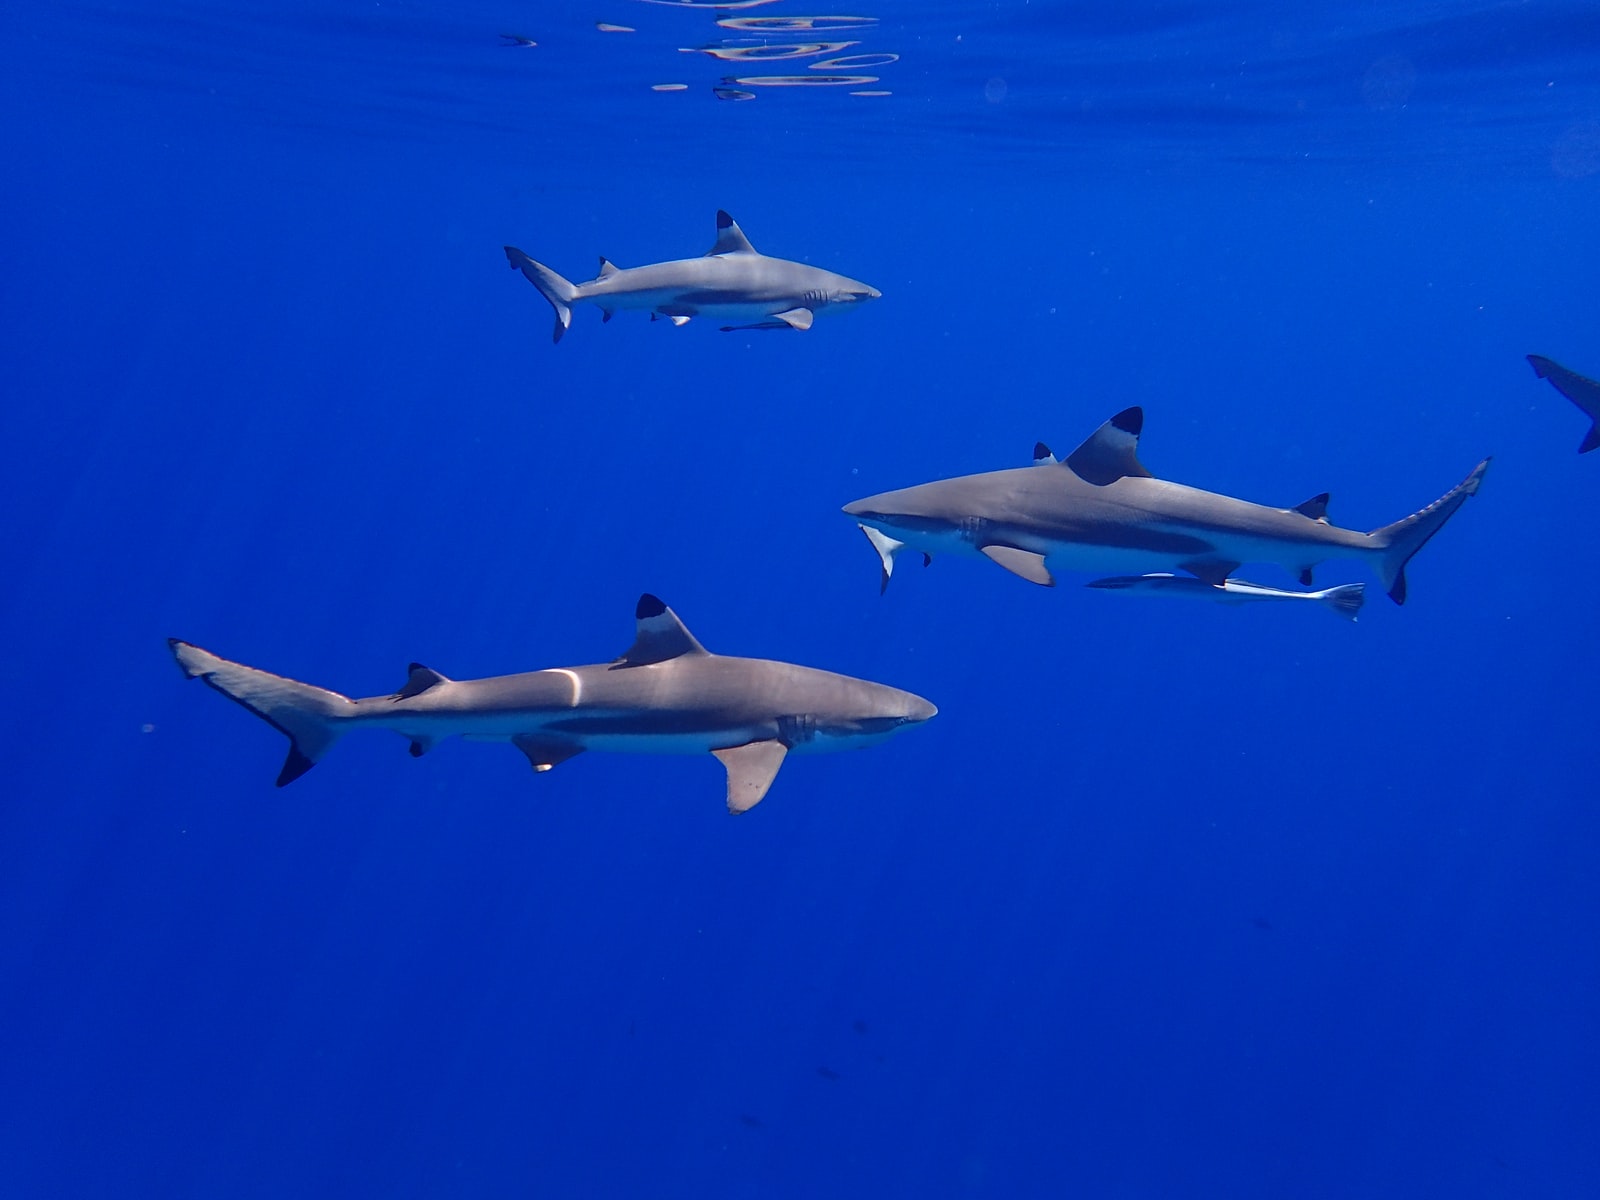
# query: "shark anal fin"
1212,571
418,680
927,559
659,635
607,313
1316,508
544,753
421,745
1023,563
1306,578
751,769
730,238
1112,451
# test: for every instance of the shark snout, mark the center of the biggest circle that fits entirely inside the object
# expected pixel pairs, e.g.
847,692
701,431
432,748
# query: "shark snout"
920,710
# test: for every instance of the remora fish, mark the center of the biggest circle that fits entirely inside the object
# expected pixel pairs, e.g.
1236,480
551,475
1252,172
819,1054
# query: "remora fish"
666,695
1583,392
1102,511
1345,600
730,282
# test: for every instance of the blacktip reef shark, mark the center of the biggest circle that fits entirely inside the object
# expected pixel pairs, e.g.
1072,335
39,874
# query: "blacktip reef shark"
1100,510
731,282
1585,393
1345,600
666,695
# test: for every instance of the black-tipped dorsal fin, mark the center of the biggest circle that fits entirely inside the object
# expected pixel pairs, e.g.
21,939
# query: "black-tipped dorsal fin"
1042,456
607,268
1112,451
661,636
730,238
419,680
1316,508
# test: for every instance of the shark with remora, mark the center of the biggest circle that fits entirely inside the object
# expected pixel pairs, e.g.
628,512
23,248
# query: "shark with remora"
731,282
1581,390
1343,600
1100,510
666,695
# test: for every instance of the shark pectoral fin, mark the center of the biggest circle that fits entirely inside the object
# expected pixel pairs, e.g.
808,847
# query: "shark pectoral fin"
794,318
544,753
887,548
1212,571
1026,563
1112,451
751,769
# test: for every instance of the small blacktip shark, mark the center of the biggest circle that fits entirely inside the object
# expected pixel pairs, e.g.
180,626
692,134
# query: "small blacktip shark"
666,695
1100,510
731,282
1345,600
1583,392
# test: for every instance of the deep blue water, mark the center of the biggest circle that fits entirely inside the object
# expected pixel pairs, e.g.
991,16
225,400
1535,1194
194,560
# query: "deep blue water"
1170,900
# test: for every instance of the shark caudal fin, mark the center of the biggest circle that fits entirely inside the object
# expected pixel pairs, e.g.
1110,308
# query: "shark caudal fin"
1346,599
1397,543
308,716
555,288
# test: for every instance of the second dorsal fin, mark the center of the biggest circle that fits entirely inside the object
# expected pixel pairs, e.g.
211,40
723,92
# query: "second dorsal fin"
730,238
607,268
1112,451
660,637
1042,456
1316,508
419,680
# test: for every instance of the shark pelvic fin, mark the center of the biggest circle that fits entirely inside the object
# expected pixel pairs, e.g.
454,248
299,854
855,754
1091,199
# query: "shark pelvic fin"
1316,508
544,753
1213,572
419,680
1024,563
1112,451
887,548
660,637
751,769
730,238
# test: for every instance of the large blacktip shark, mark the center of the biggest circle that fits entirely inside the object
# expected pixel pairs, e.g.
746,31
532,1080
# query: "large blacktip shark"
731,282
1583,392
1100,510
666,695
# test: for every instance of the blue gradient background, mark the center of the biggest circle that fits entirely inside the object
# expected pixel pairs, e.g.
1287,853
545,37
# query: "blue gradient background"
1170,900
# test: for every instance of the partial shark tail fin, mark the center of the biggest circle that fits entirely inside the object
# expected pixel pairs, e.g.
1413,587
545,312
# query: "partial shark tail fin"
308,716
557,289
1400,541
1346,599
